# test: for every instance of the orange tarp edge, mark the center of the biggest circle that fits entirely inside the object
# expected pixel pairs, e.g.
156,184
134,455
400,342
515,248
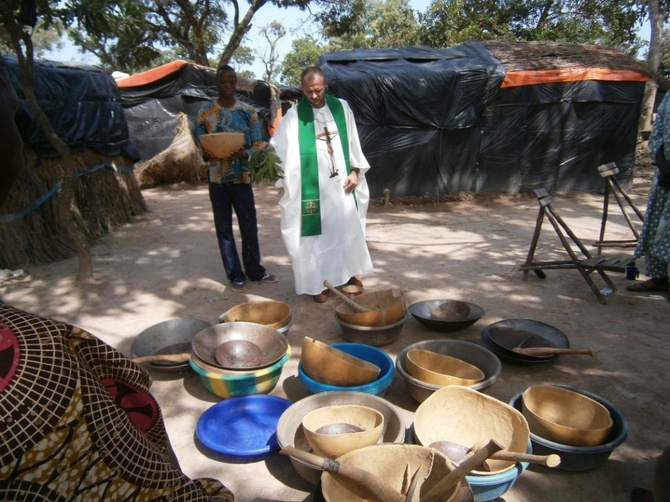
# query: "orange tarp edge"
529,77
146,77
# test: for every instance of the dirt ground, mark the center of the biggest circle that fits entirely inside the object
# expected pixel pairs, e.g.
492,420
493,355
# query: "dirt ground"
166,265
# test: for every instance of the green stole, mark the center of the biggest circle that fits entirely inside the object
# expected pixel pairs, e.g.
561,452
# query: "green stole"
310,207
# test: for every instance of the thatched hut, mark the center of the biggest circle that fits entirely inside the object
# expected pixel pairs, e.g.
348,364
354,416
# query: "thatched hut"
82,103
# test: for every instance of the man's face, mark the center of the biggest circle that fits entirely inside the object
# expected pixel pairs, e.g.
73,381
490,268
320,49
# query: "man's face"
226,83
314,88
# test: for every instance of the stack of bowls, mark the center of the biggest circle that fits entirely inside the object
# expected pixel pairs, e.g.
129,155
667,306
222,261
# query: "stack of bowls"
468,352
239,358
592,439
383,322
344,367
290,431
465,417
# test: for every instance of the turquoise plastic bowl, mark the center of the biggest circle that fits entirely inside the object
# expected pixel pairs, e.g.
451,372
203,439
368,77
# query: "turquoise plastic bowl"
485,488
362,351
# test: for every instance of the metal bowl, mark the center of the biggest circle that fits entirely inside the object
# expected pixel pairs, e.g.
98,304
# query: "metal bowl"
469,352
272,343
371,335
174,336
290,431
504,336
452,318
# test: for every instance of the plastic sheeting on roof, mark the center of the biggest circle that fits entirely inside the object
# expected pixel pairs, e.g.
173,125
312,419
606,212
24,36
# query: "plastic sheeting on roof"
156,97
82,103
438,120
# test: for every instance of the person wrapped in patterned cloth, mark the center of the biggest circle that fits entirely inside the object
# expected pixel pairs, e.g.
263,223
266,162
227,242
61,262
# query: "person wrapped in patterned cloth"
77,421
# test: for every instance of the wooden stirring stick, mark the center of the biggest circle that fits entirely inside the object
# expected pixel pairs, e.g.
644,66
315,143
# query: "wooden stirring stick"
361,482
550,351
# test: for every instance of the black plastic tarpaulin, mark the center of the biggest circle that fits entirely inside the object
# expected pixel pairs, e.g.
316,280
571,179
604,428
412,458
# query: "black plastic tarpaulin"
82,103
442,120
152,101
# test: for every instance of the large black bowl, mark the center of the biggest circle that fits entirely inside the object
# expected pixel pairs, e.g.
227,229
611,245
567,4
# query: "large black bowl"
503,336
581,458
423,311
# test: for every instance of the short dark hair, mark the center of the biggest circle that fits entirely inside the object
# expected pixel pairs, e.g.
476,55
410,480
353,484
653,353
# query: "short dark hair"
311,70
225,68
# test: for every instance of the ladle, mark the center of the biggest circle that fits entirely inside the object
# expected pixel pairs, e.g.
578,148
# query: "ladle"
446,484
455,452
239,354
346,299
361,482
550,351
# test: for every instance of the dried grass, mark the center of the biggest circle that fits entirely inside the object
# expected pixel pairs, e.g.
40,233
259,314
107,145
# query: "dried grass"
106,198
179,162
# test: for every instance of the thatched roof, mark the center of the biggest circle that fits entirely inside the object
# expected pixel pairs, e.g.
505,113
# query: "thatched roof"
521,56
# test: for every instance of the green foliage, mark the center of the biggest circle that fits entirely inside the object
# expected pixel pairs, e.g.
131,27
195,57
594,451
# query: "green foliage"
606,22
305,52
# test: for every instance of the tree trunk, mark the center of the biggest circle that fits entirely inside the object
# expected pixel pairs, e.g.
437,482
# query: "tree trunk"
240,29
656,17
65,196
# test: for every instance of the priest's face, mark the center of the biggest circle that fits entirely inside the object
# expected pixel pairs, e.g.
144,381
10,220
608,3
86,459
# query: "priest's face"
314,88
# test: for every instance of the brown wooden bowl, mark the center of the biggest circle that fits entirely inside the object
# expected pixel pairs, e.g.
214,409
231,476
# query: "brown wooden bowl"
393,464
565,417
440,369
464,416
332,431
331,366
386,307
272,314
222,144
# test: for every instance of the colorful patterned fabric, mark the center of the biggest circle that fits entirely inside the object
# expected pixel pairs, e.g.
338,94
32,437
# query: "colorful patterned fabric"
654,241
240,118
78,423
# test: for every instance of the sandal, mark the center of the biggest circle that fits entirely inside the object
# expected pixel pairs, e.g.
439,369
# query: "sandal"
648,285
355,281
323,297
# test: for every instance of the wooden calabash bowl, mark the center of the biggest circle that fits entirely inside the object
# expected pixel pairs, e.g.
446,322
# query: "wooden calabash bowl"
440,369
332,431
222,144
331,366
565,417
386,307
272,314
393,463
464,416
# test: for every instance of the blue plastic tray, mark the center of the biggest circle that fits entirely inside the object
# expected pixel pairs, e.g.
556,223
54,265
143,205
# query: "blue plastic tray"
242,426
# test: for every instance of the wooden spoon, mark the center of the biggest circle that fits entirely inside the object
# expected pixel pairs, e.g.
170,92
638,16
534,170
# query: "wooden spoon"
550,351
346,299
456,452
448,483
361,482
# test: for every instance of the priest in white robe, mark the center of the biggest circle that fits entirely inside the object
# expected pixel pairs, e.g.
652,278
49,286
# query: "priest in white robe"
326,197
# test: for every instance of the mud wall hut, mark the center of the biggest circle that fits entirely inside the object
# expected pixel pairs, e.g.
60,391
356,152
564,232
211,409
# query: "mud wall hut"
82,103
495,116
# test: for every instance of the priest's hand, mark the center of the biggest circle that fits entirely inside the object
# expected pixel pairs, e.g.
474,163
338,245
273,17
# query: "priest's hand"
351,182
